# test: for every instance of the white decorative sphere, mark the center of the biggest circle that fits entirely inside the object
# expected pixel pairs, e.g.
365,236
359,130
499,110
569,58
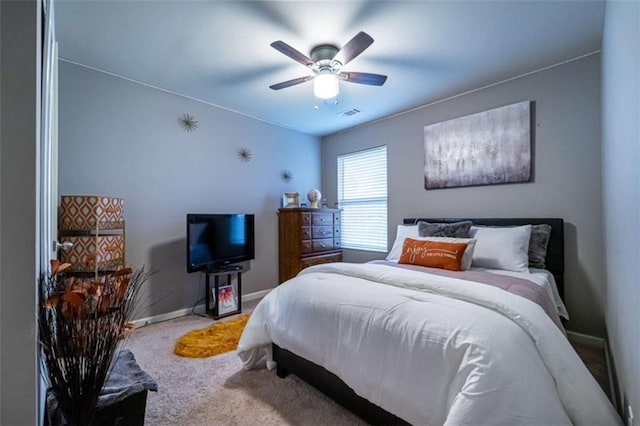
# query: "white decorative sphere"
314,195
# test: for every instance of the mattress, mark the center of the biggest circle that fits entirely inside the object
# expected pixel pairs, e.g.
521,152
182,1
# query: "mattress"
430,349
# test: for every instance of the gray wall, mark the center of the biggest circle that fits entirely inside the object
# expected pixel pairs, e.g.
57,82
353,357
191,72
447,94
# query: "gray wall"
19,38
123,139
621,189
567,177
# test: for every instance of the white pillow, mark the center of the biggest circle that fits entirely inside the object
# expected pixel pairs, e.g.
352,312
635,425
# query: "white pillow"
502,248
467,257
403,232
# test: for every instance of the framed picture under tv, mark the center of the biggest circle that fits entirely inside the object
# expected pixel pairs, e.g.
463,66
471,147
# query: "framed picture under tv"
224,294
227,299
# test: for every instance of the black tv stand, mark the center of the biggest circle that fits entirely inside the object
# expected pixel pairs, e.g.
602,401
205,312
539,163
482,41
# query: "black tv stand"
229,268
228,271
224,268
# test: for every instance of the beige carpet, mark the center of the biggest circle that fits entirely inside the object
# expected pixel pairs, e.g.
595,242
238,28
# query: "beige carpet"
217,391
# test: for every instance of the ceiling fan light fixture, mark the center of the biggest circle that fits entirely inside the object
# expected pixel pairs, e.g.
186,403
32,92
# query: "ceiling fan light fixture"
325,85
326,62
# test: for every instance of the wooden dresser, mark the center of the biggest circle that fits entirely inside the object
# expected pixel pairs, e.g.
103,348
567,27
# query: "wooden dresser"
307,237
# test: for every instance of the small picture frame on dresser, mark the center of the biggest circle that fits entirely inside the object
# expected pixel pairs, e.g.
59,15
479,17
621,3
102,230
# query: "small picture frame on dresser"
290,200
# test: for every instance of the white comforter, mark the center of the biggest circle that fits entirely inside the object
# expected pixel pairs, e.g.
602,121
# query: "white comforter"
413,344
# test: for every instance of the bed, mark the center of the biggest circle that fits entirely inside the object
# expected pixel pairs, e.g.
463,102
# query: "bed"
401,344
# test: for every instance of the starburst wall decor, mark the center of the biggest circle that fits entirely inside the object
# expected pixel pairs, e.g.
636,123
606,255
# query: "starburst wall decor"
189,122
286,175
244,154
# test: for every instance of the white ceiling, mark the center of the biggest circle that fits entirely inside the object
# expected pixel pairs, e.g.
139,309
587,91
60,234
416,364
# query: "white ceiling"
219,52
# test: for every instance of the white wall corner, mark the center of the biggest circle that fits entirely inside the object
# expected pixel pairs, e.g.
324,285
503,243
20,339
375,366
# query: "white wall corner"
186,311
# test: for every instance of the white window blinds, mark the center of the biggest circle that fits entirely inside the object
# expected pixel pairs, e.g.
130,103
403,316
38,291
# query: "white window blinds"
362,194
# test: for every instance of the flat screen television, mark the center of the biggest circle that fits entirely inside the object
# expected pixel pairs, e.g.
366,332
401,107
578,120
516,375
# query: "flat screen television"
216,241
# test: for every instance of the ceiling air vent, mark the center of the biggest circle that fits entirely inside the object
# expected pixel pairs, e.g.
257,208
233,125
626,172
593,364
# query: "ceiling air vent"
350,112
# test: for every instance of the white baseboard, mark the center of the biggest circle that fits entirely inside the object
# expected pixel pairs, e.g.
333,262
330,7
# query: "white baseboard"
585,339
186,311
163,317
256,294
600,343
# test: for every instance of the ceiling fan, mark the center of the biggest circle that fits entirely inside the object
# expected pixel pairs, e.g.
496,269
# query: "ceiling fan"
326,62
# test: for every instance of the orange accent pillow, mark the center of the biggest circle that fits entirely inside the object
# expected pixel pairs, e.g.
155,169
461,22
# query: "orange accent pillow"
433,254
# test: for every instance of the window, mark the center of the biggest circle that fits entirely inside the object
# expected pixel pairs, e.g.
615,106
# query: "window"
362,194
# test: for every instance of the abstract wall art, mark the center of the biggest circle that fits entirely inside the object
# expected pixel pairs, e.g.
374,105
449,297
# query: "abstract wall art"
486,148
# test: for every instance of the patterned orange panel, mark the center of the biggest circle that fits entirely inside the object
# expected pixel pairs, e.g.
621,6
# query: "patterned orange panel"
86,212
83,254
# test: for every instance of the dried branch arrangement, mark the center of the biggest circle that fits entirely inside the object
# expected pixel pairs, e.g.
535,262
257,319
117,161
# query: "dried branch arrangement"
82,321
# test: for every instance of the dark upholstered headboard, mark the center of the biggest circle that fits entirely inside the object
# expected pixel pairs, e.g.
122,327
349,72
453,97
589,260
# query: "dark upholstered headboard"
555,252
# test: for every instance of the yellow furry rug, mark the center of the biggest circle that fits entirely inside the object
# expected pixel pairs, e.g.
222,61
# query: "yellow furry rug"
216,339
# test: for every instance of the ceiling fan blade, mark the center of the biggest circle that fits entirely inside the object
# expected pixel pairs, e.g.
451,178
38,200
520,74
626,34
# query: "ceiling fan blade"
353,48
289,83
363,78
284,48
